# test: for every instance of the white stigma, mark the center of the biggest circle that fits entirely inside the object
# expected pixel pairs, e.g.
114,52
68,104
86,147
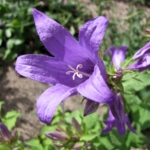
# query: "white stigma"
76,72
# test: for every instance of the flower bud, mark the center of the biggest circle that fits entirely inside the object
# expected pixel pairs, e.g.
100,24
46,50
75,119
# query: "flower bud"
77,146
148,31
76,125
16,148
5,132
90,107
57,136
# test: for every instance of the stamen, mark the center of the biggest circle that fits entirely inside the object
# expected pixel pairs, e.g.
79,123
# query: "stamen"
79,66
76,72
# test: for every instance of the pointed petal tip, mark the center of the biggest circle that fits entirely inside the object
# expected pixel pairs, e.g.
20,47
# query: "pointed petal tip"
103,18
34,11
38,15
48,102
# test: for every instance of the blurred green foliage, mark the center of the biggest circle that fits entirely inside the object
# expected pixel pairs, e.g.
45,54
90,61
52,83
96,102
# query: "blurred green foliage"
17,30
127,24
90,136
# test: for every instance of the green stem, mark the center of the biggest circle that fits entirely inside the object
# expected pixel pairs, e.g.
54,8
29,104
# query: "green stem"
127,63
22,25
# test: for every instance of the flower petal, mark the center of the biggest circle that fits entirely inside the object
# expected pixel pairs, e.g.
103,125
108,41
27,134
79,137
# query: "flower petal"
109,126
120,127
118,55
96,89
48,102
90,107
45,69
129,125
110,122
101,66
141,64
117,108
57,40
5,133
140,53
92,33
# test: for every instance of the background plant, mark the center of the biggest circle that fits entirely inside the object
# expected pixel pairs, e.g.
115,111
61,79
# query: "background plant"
18,36
17,30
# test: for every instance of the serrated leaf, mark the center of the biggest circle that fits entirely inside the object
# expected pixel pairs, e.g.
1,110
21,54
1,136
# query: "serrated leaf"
132,85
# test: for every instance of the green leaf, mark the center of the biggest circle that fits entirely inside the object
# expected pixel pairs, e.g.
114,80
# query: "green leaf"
50,147
136,140
35,144
18,41
1,41
9,55
72,30
10,119
47,128
10,43
88,137
104,139
142,80
8,32
4,147
1,103
140,114
91,120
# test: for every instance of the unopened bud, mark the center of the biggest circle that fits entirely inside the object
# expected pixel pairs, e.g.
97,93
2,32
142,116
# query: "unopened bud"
148,31
57,136
90,107
75,138
76,125
5,132
14,134
16,148
77,146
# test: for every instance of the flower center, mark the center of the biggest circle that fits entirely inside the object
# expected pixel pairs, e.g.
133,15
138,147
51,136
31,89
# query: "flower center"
76,72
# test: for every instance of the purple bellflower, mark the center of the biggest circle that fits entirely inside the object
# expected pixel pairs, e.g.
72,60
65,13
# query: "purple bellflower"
117,58
5,133
142,58
116,117
117,55
75,67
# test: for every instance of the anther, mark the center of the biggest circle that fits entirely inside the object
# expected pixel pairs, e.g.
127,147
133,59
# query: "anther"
76,72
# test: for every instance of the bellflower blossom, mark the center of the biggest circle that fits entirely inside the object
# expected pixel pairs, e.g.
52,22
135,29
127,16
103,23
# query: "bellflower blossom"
116,116
142,59
75,67
117,58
